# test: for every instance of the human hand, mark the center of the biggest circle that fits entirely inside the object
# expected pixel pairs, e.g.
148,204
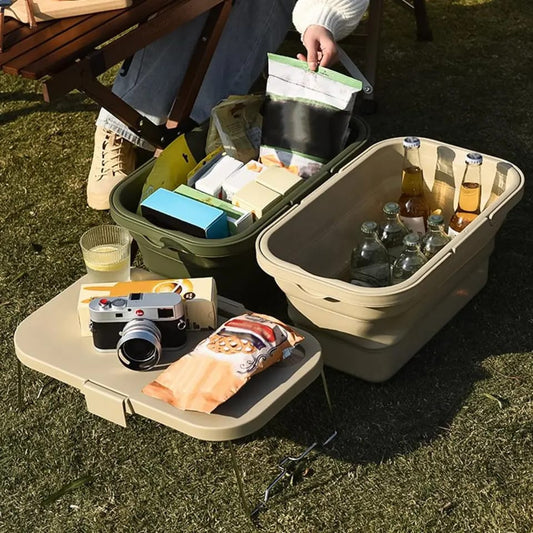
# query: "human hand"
320,45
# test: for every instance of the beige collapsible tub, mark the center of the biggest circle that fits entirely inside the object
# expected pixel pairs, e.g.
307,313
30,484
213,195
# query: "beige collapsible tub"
372,332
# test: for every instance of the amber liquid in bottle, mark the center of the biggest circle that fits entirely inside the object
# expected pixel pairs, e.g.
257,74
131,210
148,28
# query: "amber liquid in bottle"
469,195
468,209
414,207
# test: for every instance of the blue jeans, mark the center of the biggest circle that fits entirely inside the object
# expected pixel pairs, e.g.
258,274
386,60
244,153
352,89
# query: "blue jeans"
156,72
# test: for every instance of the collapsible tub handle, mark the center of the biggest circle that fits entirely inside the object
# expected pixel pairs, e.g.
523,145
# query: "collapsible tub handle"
318,296
171,244
155,243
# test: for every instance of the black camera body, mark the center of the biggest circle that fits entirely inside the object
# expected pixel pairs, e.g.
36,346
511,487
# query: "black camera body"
139,327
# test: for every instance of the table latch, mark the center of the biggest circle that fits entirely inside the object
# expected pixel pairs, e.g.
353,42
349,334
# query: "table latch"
105,402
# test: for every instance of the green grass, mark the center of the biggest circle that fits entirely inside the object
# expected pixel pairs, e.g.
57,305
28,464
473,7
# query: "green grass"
445,445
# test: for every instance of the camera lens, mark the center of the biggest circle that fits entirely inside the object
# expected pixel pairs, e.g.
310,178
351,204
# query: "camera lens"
139,347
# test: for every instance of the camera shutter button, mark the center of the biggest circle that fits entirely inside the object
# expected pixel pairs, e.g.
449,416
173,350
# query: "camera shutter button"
119,303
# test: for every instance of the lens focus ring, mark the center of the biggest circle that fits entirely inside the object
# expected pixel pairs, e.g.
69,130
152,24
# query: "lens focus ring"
139,347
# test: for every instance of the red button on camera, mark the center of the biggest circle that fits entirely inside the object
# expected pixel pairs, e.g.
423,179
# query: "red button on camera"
139,312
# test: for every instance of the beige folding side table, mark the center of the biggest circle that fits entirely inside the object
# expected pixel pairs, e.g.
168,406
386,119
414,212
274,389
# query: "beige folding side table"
49,341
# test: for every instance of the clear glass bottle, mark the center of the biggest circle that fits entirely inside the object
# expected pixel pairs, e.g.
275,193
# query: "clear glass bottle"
369,262
392,230
410,260
414,206
469,196
435,238
443,190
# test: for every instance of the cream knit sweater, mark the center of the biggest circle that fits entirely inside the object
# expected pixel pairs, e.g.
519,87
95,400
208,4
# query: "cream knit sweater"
340,17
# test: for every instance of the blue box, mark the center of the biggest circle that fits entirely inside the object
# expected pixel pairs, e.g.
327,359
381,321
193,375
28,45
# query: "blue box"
170,210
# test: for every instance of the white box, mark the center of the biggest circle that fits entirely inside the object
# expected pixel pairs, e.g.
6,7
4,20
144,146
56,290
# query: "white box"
241,177
212,179
199,296
280,180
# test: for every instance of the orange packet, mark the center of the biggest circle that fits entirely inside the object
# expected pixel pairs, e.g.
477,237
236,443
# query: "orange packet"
223,362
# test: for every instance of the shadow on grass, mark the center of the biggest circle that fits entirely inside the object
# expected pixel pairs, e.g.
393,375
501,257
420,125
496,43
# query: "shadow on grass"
70,103
379,421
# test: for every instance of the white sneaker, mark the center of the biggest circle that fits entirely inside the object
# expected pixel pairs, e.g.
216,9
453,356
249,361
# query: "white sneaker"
113,161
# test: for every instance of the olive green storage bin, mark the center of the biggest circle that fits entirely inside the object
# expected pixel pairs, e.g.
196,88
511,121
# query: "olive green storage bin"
372,332
231,261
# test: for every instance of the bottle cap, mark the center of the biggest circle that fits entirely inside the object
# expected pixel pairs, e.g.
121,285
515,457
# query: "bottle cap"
369,226
391,208
411,238
411,142
435,220
473,158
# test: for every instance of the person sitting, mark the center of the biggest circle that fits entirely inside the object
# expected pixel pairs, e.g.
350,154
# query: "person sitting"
149,82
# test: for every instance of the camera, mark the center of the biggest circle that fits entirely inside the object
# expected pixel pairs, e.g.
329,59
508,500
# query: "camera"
139,327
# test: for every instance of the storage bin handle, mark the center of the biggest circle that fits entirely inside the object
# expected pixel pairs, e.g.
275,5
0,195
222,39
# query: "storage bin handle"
353,70
317,295
157,243
476,241
499,212
172,244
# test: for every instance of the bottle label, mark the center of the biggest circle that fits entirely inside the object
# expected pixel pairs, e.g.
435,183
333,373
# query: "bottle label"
415,224
452,232
377,275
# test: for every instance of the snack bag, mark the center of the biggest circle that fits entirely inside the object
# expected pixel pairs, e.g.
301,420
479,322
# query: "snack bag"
236,125
174,163
223,362
306,115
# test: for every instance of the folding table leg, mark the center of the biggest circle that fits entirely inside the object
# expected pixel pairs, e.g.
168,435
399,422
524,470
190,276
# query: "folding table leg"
238,475
288,465
20,394
20,391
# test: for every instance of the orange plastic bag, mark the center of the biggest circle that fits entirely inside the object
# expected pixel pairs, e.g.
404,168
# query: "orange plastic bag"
223,362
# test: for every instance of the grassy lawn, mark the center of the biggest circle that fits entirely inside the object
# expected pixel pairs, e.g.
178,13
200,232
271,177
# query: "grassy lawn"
445,445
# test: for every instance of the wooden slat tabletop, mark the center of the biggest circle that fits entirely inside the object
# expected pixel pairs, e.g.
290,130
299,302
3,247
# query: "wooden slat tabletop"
42,51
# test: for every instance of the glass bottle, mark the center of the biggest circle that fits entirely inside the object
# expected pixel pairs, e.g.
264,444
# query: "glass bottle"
435,238
443,190
469,196
392,230
410,260
414,206
369,262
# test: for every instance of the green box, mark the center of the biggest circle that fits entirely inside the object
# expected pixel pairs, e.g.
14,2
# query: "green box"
231,260
238,219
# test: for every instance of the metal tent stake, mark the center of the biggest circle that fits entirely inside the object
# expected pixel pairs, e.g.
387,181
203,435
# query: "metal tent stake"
287,466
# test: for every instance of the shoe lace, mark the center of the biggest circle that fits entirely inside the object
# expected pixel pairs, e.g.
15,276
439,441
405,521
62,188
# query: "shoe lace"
115,154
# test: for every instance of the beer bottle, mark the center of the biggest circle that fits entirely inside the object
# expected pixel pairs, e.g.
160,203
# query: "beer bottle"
369,262
443,190
392,230
435,238
469,196
409,261
414,207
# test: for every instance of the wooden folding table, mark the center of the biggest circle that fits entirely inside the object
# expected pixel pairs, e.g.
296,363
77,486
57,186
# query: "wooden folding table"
69,53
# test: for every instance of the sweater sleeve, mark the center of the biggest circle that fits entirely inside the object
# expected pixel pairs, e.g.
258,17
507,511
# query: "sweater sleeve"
340,17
